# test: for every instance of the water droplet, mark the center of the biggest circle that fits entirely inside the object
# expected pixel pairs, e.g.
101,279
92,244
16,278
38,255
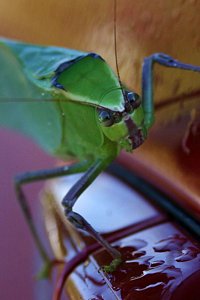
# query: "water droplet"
138,243
188,254
157,263
172,243
150,287
138,254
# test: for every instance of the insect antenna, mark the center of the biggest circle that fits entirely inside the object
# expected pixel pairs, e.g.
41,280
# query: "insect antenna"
115,49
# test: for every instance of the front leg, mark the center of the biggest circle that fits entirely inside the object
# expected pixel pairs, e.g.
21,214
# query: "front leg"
147,81
76,219
30,177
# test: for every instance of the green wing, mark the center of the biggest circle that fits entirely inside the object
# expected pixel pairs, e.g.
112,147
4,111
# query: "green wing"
26,91
21,107
40,61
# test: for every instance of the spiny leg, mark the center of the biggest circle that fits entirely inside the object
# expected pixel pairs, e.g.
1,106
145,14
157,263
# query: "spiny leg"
76,219
147,81
30,177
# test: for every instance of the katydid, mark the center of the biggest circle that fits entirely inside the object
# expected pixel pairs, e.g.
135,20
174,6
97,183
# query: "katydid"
73,105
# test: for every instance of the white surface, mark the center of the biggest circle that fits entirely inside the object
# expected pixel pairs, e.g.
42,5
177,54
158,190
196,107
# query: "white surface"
108,204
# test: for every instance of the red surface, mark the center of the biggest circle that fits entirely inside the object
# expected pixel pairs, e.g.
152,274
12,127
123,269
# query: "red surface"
160,259
18,257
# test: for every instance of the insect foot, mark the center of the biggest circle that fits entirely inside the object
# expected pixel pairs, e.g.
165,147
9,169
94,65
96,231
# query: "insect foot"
115,263
79,222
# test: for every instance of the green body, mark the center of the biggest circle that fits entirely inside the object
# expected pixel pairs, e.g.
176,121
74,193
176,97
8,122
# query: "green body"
73,105
53,95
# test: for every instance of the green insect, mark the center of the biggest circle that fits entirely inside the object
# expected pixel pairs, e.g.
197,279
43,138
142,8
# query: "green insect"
73,105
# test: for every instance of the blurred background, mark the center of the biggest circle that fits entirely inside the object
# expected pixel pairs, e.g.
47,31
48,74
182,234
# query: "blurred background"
143,28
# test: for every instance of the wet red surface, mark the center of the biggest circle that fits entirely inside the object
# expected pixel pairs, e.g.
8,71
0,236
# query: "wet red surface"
160,259
154,268
158,262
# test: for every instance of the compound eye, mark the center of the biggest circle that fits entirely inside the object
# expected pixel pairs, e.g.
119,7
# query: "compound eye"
106,118
133,101
130,96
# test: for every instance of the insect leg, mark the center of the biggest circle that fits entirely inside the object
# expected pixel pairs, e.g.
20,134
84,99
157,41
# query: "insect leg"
76,219
147,81
30,177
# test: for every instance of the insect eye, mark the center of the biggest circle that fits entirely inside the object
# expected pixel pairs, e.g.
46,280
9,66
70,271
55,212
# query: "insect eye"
132,101
106,118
